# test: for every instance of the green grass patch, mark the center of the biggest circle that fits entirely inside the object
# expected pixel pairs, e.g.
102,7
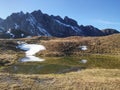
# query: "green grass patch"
65,64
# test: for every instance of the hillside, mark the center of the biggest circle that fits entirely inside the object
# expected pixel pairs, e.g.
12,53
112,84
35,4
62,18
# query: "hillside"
70,46
61,46
104,75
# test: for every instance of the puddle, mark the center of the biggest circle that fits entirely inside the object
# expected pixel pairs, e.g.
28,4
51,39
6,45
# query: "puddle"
48,65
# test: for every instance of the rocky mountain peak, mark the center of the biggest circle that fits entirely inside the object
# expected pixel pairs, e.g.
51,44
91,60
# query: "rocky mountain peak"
70,21
40,24
1,20
110,31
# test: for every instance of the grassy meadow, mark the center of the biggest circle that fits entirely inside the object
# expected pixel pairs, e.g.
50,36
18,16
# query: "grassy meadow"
89,79
62,68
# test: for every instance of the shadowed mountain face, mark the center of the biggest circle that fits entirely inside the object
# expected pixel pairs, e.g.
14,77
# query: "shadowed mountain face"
20,25
1,20
109,31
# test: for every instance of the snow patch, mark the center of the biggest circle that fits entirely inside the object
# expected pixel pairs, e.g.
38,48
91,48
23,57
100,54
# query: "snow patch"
72,27
31,49
11,34
83,48
43,31
8,31
16,26
32,21
22,35
20,42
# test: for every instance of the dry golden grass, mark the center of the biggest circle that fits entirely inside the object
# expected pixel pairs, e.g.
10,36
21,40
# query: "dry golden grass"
7,59
90,79
8,52
70,45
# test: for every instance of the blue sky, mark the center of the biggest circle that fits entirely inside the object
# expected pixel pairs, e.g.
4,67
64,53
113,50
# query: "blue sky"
99,13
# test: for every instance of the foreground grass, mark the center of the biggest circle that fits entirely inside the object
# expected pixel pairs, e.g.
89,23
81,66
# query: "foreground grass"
89,79
104,75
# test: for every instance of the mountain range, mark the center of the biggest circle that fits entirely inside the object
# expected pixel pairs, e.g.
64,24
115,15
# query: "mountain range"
20,25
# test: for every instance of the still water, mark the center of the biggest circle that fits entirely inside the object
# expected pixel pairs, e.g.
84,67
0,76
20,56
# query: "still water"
31,59
48,65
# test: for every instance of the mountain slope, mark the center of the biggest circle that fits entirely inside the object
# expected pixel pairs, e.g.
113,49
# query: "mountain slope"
109,31
1,20
40,24
1,28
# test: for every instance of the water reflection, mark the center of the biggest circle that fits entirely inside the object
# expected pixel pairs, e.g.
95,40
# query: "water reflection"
83,61
61,64
15,68
31,59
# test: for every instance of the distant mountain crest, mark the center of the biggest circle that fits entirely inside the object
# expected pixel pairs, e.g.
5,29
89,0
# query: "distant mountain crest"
110,31
40,24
